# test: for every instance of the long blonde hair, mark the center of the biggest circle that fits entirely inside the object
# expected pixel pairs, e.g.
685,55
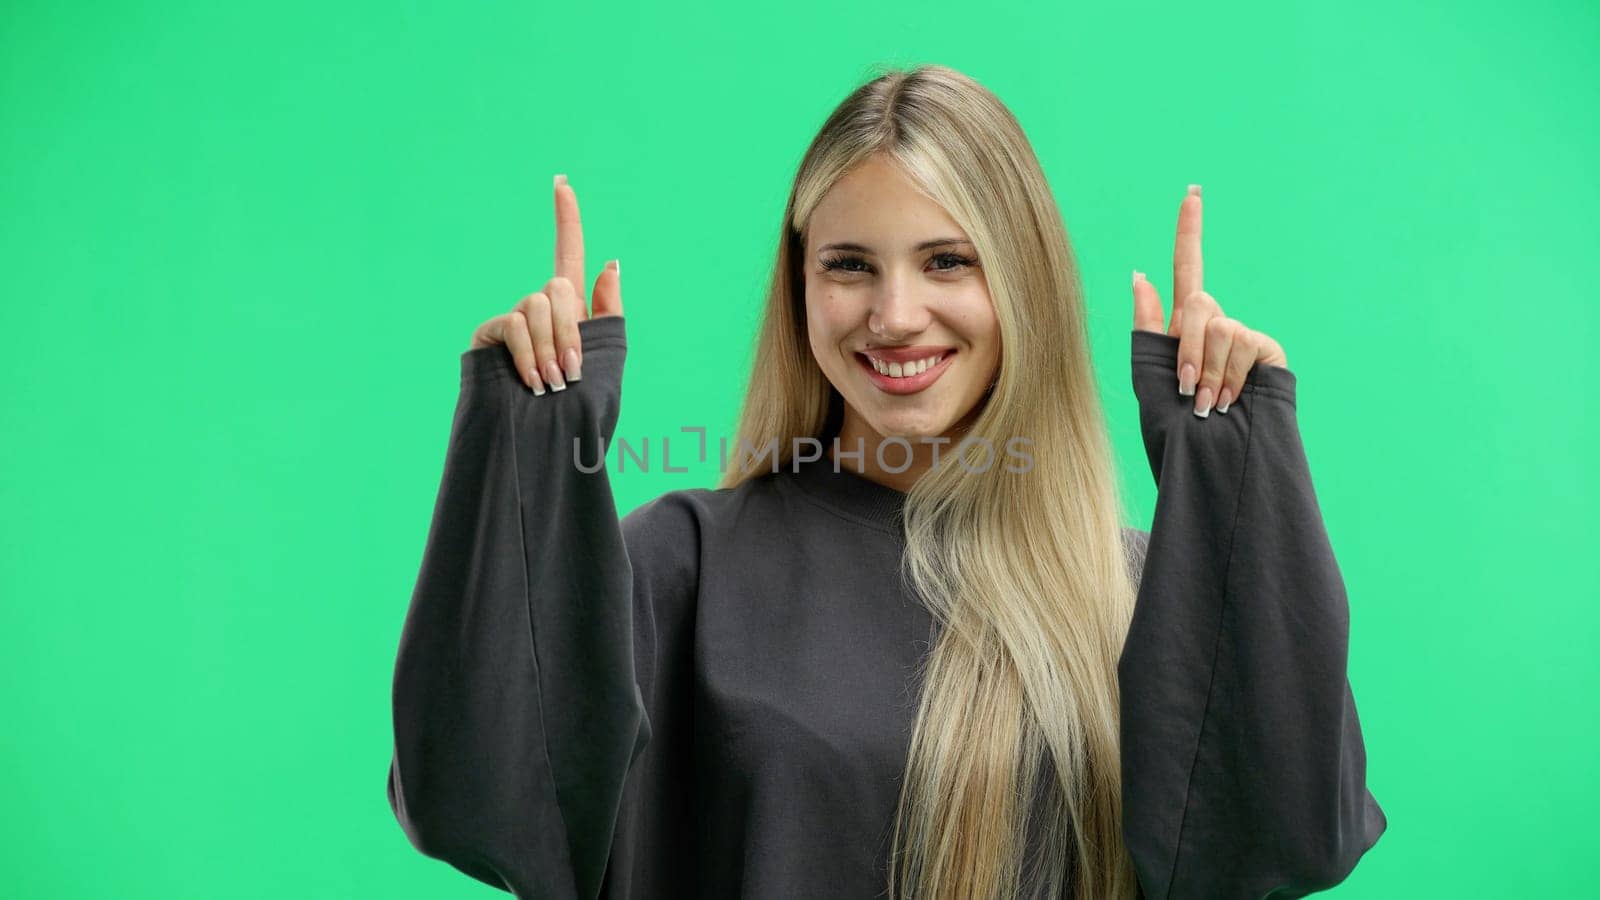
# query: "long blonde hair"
1025,574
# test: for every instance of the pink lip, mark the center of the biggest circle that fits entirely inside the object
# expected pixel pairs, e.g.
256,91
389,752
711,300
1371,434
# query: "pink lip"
907,354
911,385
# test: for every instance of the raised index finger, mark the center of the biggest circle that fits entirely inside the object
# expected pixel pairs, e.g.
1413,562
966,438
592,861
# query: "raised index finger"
569,237
1187,270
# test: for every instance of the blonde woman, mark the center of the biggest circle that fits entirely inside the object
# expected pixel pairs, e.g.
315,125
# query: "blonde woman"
906,648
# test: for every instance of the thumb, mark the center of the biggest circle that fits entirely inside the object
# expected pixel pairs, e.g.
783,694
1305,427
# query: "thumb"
1147,312
608,291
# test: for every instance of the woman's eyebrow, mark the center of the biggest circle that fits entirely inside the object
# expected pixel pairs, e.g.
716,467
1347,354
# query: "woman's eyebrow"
925,245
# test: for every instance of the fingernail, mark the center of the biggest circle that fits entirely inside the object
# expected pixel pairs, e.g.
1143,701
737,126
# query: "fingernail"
615,266
1194,189
570,363
1223,400
538,383
552,376
560,180
1186,380
1138,276
1202,404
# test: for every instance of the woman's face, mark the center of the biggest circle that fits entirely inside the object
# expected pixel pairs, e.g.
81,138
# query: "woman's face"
907,292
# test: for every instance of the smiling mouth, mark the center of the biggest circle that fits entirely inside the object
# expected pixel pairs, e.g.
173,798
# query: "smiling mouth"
904,384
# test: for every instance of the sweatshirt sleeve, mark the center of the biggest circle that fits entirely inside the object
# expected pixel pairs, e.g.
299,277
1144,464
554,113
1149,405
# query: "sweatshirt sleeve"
1244,769
516,710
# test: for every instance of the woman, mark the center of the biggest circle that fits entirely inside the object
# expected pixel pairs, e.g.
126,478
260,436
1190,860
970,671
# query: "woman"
898,648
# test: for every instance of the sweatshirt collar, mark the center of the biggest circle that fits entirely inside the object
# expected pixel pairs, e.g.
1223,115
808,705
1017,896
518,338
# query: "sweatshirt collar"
840,487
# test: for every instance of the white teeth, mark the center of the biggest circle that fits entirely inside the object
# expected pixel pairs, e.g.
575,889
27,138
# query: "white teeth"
905,370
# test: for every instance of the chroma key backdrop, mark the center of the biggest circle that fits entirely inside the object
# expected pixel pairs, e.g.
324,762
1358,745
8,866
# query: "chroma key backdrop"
243,247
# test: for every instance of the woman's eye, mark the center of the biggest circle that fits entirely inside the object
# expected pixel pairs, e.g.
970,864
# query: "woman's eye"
842,263
943,262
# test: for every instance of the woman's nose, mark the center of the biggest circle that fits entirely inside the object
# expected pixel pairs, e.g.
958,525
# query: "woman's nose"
897,314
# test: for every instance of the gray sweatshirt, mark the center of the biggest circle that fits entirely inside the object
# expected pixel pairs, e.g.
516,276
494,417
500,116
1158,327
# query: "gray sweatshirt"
713,696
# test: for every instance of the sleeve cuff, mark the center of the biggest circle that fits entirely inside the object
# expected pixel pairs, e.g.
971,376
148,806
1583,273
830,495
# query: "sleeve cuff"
604,335
1153,349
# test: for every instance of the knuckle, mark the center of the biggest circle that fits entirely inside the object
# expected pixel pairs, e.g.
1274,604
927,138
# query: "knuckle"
558,285
515,320
565,309
533,303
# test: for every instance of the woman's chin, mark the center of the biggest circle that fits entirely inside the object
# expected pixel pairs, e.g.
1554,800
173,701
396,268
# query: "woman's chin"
912,428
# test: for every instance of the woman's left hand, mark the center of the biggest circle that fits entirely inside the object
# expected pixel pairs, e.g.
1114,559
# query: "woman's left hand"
1215,353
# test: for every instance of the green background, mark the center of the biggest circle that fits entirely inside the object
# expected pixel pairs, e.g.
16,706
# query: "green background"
242,247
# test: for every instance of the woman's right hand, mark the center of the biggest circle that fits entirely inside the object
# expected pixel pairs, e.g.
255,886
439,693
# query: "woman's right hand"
541,331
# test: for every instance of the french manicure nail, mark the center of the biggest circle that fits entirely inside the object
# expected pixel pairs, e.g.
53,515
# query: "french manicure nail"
1202,405
570,364
1223,401
538,383
1186,380
552,376
560,180
1194,189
